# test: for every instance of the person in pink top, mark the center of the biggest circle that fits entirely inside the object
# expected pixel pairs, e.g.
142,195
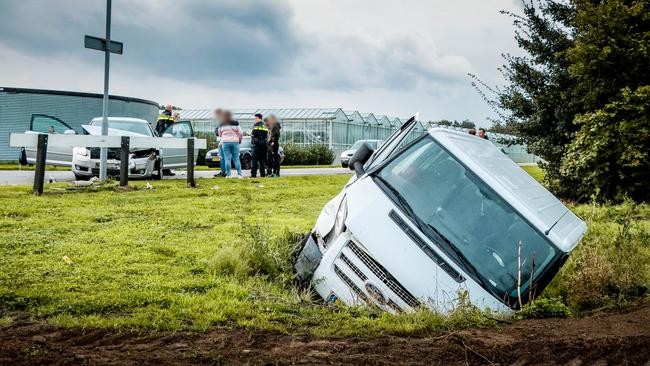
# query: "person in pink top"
231,136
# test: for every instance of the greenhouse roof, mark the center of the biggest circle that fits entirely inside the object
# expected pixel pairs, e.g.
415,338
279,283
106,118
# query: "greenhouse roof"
249,113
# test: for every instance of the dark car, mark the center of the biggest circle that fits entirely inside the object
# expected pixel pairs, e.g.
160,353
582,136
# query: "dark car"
212,158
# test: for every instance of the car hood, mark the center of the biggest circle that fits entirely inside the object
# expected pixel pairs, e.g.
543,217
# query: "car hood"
97,131
347,153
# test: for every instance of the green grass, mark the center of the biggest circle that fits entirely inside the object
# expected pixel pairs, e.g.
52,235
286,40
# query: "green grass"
535,171
205,167
173,258
17,166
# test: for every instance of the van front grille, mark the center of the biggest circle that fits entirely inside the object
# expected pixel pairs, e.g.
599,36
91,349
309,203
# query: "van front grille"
355,289
353,267
384,276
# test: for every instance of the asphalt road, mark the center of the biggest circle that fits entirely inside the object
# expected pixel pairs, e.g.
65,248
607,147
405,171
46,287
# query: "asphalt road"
17,177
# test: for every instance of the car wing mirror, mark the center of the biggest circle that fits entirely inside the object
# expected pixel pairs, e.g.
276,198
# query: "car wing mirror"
167,135
69,132
360,157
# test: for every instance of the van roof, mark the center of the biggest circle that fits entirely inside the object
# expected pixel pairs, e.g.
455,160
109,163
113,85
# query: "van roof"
527,196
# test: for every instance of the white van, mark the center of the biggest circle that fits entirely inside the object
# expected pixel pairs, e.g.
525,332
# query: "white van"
428,217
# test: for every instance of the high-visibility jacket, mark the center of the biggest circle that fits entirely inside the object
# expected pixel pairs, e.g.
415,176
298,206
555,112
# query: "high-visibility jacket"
165,120
259,134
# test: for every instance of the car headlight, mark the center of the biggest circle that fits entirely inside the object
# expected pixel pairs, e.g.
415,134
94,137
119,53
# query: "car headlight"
341,215
80,151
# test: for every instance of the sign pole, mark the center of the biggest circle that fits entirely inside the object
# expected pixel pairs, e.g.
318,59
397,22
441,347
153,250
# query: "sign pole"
107,59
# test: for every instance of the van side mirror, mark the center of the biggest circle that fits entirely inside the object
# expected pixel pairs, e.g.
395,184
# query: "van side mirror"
69,132
360,157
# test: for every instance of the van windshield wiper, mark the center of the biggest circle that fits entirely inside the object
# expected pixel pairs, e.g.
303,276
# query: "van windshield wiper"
459,255
406,207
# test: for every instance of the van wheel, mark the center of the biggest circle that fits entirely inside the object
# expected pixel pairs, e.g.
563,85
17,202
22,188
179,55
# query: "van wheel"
246,162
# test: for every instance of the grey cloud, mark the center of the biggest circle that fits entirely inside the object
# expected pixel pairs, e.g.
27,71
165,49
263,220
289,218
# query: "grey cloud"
226,43
205,40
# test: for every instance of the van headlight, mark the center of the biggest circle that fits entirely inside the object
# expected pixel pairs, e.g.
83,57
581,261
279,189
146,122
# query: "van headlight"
80,151
341,214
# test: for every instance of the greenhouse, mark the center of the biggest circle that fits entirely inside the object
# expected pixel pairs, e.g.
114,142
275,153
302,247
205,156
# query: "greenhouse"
333,127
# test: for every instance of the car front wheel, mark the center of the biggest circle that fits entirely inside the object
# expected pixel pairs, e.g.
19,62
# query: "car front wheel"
246,162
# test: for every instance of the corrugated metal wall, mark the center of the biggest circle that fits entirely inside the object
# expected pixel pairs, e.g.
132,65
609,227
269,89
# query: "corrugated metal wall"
16,109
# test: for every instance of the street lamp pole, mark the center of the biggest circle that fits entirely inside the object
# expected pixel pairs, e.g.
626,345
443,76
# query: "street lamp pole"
107,60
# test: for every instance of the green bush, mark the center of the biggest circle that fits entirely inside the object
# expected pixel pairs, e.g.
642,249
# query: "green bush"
611,266
544,308
307,155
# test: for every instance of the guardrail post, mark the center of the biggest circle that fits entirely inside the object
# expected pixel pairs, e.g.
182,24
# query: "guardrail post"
190,163
39,170
124,161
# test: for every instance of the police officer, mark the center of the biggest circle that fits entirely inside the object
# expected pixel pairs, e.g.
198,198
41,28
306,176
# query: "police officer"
165,120
259,137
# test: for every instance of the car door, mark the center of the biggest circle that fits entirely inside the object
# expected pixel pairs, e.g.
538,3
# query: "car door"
44,124
177,157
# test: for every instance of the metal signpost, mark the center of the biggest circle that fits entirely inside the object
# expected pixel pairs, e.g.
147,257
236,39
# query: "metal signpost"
107,46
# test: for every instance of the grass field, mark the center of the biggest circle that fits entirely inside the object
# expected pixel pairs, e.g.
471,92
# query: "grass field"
17,166
176,258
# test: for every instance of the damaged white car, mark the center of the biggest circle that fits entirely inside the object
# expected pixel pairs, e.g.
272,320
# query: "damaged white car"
143,163
84,161
426,217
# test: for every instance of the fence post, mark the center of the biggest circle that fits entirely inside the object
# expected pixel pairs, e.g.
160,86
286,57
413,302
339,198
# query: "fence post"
39,170
190,163
124,161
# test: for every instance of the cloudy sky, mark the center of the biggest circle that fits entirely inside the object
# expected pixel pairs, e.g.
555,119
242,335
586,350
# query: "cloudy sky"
383,56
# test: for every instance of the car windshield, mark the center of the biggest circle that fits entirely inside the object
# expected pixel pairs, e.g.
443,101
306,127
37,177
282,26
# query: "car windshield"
137,127
454,204
357,145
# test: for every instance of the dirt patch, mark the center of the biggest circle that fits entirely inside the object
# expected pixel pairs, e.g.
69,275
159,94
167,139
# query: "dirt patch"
605,339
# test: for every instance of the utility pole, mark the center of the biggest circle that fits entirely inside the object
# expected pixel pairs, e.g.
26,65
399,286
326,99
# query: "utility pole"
108,47
103,155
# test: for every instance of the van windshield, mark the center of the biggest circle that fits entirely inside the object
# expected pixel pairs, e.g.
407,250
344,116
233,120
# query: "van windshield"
452,203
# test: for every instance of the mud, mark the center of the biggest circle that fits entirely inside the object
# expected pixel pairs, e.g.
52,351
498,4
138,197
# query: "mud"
614,338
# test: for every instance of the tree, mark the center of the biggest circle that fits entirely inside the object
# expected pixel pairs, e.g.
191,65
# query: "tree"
584,60
467,124
610,153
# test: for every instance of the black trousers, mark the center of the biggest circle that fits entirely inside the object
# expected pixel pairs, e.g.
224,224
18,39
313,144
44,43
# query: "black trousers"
259,161
274,159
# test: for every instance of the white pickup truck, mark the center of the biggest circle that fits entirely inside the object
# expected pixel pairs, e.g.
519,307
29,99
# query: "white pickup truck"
428,217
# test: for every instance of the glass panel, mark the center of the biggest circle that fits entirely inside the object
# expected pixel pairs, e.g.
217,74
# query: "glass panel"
137,127
480,224
47,124
181,130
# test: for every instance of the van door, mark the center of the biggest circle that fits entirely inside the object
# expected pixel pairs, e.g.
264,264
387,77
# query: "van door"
402,136
177,158
44,124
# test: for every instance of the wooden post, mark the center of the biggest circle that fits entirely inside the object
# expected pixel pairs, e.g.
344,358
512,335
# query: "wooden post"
39,171
124,161
190,163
